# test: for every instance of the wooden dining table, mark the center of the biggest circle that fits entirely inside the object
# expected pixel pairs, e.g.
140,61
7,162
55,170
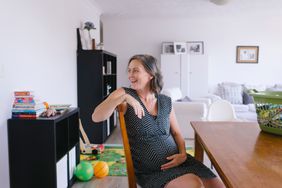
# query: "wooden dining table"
243,155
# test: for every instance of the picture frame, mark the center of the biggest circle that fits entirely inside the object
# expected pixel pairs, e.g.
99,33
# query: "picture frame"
195,47
247,54
180,48
167,48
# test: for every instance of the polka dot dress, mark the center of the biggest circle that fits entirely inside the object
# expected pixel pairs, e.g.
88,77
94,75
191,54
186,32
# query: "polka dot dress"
151,143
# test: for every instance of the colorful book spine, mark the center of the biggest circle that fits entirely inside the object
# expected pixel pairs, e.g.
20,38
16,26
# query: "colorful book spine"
16,105
25,109
23,113
31,116
25,100
23,93
28,106
28,110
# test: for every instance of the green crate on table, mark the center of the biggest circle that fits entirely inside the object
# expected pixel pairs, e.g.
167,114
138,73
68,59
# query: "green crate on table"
269,110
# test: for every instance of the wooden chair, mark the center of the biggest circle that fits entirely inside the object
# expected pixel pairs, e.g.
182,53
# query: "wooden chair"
127,152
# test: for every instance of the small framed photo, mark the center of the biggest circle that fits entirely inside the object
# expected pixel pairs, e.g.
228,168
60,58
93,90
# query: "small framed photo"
168,48
180,48
195,47
247,54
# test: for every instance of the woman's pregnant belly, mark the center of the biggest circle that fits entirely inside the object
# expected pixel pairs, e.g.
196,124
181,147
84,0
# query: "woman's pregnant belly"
150,155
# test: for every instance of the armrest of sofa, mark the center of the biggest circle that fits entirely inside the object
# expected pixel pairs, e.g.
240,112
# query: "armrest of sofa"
213,97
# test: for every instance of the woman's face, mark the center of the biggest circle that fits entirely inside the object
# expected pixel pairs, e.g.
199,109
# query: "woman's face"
137,75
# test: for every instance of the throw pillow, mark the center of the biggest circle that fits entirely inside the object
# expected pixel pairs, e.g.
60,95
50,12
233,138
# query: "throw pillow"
247,99
278,85
231,93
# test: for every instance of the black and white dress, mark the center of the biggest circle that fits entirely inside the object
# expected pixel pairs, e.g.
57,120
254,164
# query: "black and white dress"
151,143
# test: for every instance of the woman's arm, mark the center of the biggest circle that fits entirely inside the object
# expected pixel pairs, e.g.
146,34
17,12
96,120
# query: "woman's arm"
179,158
107,107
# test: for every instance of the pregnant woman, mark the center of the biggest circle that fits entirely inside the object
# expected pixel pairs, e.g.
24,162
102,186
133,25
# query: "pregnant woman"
157,146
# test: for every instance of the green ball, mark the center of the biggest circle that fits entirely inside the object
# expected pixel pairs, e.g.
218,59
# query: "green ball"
84,171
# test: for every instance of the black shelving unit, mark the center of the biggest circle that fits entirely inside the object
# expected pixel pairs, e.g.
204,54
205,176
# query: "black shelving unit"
96,79
43,152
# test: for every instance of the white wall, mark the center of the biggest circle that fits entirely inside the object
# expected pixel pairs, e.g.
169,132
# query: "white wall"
221,35
38,52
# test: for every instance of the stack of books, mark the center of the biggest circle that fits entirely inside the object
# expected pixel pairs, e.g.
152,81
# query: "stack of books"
26,106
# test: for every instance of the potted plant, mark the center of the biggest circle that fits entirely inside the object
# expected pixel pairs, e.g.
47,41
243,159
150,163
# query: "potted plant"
91,41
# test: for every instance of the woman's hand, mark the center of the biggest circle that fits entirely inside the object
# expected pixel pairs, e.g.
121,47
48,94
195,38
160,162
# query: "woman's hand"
138,109
176,160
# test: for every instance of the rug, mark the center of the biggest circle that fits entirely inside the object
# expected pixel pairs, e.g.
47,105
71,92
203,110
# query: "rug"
114,156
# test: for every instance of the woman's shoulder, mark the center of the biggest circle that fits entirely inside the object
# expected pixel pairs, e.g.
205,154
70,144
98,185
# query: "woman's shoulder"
165,103
164,97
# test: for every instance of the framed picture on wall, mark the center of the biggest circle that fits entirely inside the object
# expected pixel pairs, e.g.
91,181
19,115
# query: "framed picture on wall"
167,48
247,54
180,48
195,47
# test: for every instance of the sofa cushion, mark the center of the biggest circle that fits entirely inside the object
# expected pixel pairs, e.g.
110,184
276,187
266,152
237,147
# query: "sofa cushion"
252,107
241,108
278,85
231,92
247,99
247,116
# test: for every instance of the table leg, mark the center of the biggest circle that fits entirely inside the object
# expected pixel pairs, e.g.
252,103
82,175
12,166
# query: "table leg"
199,152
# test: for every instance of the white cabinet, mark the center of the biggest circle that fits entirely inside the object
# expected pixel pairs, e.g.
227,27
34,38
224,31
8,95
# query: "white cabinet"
198,76
175,70
189,73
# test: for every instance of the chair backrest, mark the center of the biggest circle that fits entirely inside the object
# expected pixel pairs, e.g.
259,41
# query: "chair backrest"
221,110
127,152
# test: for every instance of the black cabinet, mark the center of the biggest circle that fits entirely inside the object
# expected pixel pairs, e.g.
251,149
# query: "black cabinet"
96,79
43,152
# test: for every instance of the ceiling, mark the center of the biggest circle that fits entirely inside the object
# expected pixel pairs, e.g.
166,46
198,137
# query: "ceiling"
186,8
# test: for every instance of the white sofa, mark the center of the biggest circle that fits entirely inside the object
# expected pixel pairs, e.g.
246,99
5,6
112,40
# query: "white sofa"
241,101
244,112
186,111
